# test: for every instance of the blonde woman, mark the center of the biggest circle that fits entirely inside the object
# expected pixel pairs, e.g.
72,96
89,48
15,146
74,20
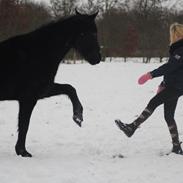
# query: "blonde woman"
170,89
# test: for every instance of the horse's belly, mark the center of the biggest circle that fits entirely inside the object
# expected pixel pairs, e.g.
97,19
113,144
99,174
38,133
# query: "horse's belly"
7,95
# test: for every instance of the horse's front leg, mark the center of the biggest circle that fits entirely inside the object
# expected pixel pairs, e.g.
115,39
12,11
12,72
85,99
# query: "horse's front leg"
25,111
70,91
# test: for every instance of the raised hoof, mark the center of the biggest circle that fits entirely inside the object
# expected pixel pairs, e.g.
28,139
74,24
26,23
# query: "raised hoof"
78,119
78,115
23,153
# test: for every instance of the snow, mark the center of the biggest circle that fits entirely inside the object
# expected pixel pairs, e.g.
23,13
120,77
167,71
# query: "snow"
64,153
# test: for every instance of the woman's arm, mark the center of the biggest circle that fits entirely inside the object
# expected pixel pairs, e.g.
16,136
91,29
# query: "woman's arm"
175,61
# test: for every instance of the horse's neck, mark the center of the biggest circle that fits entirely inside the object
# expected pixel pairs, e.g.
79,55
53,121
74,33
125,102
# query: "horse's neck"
54,43
61,36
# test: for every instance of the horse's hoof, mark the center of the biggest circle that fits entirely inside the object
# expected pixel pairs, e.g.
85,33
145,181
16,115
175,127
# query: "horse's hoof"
23,153
78,119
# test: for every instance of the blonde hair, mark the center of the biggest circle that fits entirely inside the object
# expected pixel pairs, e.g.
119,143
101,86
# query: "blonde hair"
176,32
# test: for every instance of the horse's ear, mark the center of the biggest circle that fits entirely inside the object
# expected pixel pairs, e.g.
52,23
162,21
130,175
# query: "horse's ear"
93,16
77,12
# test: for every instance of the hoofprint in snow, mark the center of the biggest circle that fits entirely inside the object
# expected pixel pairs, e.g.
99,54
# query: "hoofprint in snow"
65,153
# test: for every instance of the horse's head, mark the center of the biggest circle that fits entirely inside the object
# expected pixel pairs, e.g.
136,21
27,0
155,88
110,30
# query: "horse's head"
86,41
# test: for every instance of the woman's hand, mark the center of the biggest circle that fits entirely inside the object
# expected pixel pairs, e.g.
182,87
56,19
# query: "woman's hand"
144,78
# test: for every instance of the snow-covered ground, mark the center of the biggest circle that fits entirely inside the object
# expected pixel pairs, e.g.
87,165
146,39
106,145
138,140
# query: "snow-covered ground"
64,153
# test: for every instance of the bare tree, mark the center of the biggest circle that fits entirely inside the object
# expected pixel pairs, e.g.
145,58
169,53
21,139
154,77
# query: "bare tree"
103,6
63,7
21,16
90,6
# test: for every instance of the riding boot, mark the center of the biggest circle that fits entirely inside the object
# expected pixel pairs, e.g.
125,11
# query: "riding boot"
175,138
129,129
177,148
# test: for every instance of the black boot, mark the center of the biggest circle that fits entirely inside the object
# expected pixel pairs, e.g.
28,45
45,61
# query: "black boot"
128,129
177,148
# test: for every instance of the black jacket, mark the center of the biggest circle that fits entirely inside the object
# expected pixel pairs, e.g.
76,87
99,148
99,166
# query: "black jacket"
173,69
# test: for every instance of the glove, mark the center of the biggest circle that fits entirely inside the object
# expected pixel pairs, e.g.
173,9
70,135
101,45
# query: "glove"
144,78
160,88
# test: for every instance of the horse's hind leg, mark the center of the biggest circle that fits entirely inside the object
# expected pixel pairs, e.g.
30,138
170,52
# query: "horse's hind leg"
25,111
70,91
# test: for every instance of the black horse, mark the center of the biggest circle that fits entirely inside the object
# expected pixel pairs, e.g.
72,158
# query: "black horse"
29,62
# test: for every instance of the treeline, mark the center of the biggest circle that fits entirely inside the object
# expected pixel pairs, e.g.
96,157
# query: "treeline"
125,30
21,16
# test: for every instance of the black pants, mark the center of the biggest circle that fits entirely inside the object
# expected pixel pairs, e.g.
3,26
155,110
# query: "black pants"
168,97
